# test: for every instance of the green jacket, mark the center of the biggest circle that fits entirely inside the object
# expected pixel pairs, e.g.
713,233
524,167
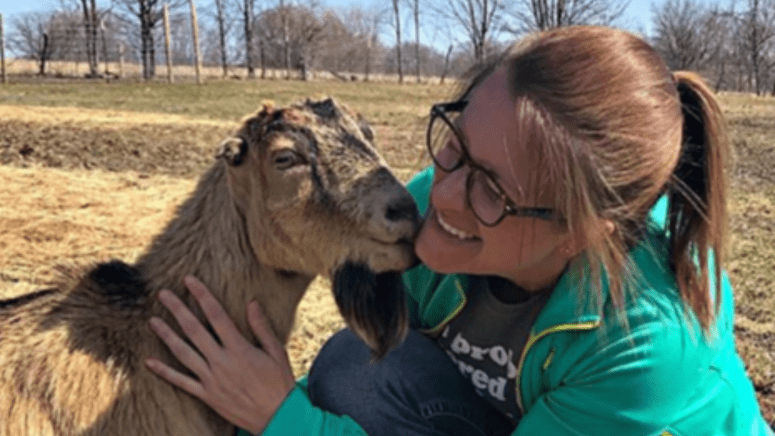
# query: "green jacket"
582,372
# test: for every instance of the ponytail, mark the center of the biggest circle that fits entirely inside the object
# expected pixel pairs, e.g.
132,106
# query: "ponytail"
697,198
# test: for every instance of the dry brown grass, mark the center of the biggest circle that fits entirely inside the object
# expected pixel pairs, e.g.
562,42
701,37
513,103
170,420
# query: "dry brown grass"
80,185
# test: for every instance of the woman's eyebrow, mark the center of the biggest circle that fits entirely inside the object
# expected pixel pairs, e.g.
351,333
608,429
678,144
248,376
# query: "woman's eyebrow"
509,190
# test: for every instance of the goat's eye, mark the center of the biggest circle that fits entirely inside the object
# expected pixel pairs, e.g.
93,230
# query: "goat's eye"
286,159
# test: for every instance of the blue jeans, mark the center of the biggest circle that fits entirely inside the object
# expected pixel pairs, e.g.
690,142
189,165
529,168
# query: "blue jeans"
415,391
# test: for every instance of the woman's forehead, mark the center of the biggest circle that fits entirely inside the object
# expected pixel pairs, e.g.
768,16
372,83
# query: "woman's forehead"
491,128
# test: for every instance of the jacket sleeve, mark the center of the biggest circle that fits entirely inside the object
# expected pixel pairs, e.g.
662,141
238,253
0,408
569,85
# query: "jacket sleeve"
297,416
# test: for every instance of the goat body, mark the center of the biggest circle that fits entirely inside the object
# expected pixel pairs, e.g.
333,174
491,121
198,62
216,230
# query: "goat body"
299,191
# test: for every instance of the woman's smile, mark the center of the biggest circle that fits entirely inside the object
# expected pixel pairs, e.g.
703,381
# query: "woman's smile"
454,231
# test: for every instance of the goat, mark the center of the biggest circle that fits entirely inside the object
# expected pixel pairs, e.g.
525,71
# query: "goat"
296,192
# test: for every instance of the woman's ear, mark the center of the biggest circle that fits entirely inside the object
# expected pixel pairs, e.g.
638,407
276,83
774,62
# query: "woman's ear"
575,244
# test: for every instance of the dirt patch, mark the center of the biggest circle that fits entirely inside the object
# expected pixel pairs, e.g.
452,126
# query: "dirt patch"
72,138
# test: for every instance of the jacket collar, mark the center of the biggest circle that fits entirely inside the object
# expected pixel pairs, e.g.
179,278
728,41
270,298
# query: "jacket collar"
575,299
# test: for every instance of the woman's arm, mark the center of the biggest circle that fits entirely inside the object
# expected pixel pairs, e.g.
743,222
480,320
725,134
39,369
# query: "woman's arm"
246,385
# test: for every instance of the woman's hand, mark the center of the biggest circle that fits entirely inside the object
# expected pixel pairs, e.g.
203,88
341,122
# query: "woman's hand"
243,383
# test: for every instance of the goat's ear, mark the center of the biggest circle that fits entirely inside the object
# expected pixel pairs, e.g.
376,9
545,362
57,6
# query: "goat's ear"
365,128
233,150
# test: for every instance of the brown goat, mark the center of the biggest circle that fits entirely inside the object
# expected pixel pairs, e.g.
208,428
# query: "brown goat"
296,192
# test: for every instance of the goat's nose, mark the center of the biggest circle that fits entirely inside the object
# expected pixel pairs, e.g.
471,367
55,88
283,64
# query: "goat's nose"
402,208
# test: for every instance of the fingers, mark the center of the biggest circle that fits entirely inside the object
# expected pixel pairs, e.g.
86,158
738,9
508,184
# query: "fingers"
260,326
178,379
190,325
182,351
217,317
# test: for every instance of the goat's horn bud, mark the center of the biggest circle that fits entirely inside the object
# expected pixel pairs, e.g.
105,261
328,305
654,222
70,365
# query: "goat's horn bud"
233,150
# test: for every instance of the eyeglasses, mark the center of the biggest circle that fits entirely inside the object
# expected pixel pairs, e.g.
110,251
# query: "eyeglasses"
484,195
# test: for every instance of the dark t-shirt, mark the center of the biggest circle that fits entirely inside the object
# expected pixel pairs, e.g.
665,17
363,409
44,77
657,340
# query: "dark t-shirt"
486,339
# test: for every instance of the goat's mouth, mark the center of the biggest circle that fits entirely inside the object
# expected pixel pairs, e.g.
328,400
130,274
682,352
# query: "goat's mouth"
398,242
396,255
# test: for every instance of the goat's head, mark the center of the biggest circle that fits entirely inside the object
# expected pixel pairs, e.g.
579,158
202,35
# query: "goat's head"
318,198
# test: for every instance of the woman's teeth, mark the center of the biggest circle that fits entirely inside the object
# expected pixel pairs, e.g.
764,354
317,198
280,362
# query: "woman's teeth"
452,230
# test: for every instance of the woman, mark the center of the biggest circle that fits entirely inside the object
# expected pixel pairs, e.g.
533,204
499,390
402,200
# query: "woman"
572,276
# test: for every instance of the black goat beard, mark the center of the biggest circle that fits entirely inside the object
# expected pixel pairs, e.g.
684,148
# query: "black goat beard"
373,306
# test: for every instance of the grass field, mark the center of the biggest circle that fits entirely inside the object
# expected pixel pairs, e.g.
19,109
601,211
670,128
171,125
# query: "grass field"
90,171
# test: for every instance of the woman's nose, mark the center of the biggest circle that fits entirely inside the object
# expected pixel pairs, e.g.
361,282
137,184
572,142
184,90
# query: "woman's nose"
449,191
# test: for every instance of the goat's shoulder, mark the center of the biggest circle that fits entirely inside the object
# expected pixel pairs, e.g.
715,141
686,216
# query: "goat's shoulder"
115,283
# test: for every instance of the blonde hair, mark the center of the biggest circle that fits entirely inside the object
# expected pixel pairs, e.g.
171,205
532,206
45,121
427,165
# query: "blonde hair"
617,130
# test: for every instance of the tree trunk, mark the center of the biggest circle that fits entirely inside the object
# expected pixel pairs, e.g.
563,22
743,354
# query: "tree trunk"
262,54
367,70
286,48
95,60
398,41
145,37
248,22
90,33
720,79
105,50
2,51
222,36
418,68
446,64
152,53
43,55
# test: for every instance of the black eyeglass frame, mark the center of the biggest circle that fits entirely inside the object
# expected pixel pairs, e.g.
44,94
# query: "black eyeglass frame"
439,110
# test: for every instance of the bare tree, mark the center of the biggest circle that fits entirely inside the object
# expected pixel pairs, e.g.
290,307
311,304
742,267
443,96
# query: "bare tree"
397,26
248,18
220,19
92,22
360,27
291,37
446,63
90,26
757,38
533,15
686,34
415,5
286,46
44,36
479,20
148,13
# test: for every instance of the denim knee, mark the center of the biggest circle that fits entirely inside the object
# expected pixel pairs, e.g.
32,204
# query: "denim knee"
415,390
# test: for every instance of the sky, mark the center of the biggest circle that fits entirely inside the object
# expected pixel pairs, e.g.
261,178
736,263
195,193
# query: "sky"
637,16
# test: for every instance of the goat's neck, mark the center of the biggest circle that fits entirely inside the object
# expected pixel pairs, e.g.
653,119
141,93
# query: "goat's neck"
208,239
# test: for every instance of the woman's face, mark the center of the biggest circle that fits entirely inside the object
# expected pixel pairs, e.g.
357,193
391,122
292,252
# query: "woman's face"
531,252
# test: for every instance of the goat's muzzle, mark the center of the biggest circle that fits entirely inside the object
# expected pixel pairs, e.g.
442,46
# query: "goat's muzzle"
373,306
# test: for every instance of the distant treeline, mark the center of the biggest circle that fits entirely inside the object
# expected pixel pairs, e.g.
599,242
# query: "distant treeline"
731,43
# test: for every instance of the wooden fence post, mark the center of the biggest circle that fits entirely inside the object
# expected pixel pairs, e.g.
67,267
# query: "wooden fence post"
168,43
195,32
2,50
